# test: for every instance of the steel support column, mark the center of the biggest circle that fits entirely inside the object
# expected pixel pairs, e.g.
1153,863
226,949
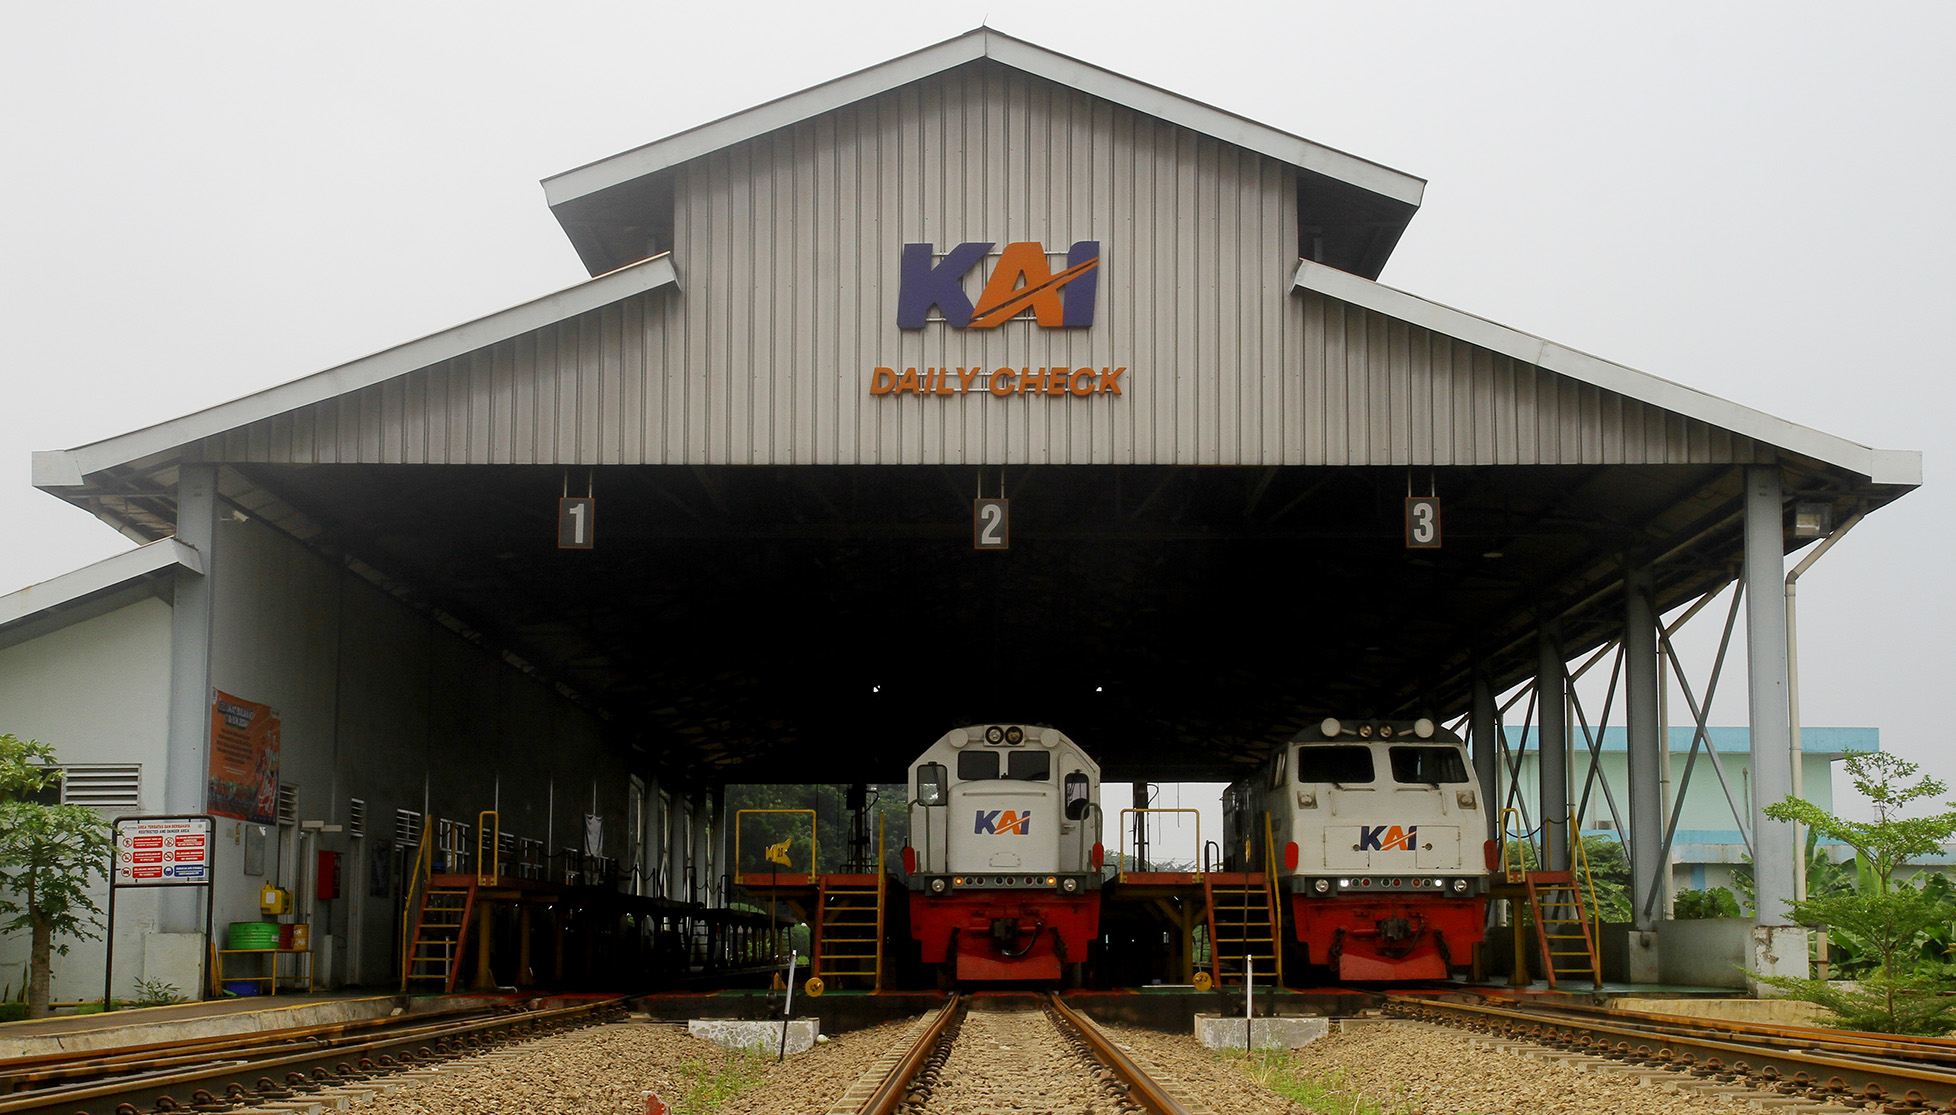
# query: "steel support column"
1552,717
1647,753
1483,727
187,767
1773,855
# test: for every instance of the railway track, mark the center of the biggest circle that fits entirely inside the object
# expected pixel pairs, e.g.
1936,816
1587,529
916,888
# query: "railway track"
1021,1052
1894,1075
244,1071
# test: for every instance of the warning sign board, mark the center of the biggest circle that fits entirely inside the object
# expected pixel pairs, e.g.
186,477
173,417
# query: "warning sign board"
161,852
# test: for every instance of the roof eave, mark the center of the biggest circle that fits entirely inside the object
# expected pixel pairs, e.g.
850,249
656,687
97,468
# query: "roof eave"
102,576
71,468
1901,468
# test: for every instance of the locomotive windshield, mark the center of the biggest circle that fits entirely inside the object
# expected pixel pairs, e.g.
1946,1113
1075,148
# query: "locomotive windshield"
1432,765
1334,764
1021,766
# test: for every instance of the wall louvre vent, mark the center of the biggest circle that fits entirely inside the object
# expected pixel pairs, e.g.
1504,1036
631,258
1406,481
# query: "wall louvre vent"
103,785
407,827
356,817
288,804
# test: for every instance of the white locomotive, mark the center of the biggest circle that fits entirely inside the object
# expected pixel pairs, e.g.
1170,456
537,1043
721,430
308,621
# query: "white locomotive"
1377,832
1004,859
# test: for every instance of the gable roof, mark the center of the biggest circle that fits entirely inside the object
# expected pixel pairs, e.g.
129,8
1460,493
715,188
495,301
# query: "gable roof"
585,198
1883,466
97,579
68,468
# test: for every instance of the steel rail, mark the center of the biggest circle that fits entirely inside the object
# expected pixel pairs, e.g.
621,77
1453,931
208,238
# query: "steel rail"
890,1092
308,1070
1901,1086
1141,1087
21,1073
1848,1042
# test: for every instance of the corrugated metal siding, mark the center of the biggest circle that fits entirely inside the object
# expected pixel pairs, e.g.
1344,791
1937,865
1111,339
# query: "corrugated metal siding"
787,250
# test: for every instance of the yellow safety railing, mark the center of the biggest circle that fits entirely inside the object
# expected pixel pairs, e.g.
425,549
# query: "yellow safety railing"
417,875
740,861
1588,880
882,889
1514,845
1270,862
489,835
1123,841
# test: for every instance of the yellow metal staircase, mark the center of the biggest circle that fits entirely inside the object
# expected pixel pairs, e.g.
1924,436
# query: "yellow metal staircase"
1242,932
440,927
1555,899
849,937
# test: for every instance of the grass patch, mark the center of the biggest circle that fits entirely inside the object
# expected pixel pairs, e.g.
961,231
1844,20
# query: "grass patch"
1326,1095
711,1082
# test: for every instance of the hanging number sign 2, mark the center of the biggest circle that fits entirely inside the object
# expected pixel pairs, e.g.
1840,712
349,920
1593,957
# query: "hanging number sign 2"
577,521
991,521
1422,522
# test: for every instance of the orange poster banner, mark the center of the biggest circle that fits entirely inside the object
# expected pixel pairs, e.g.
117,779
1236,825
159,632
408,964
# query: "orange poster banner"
244,760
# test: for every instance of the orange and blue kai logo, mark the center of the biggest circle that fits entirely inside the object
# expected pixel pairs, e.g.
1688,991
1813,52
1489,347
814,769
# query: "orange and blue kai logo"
1386,838
1022,281
998,823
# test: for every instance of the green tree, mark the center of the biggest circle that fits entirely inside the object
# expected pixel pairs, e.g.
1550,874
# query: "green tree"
48,855
1715,902
1889,919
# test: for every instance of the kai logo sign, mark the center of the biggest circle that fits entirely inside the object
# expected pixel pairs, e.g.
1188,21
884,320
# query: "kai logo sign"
996,822
1387,838
1021,281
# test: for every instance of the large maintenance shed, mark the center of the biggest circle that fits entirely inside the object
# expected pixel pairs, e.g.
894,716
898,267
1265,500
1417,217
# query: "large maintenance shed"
1248,486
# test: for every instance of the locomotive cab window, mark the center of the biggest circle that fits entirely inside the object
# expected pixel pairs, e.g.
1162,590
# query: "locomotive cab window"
977,766
1029,766
1349,765
1077,802
1429,765
930,784
1277,771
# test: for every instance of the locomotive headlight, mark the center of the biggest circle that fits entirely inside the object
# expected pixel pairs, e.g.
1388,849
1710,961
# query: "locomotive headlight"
1069,886
1465,798
1321,885
1385,731
1344,882
1015,734
1330,727
994,734
1423,728
1365,731
1307,799
1460,886
940,885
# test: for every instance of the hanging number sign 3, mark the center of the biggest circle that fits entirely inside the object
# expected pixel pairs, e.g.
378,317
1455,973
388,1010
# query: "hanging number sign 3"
577,521
1422,522
991,521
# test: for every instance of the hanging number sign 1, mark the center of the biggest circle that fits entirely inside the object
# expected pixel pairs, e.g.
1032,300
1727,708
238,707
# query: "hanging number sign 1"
991,521
577,522
1422,522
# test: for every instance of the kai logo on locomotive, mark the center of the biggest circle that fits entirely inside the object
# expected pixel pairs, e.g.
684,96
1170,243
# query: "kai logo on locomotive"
996,822
1387,838
1022,281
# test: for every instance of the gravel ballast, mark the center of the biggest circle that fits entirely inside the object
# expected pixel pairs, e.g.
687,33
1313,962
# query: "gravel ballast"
1414,1069
605,1070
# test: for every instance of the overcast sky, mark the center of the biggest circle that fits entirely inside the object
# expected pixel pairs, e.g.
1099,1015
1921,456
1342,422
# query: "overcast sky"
205,200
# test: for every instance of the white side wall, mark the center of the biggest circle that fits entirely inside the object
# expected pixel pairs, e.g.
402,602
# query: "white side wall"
97,691
379,703
376,702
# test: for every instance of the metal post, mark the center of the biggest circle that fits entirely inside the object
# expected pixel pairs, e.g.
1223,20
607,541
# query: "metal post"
1647,757
1484,728
1141,829
1552,704
187,766
1775,862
